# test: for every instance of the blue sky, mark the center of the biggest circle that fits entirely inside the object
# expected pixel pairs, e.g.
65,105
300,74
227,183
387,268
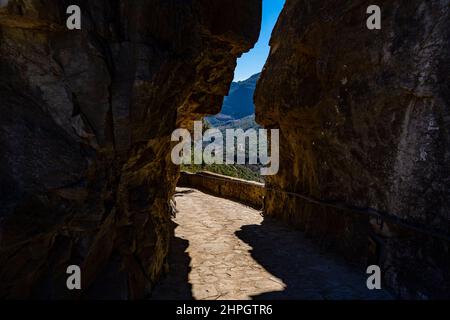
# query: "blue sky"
253,61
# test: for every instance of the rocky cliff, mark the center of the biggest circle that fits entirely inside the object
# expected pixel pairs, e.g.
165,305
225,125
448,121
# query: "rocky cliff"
364,118
86,119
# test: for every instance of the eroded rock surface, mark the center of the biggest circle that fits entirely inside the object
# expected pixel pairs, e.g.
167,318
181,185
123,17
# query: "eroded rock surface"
86,119
364,118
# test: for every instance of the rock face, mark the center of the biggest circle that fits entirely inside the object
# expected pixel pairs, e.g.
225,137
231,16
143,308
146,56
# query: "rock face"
86,119
364,118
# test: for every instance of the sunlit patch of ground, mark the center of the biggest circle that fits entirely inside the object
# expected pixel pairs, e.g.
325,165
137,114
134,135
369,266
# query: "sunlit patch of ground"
225,250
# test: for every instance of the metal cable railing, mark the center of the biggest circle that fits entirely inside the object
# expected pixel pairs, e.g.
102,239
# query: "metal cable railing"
388,217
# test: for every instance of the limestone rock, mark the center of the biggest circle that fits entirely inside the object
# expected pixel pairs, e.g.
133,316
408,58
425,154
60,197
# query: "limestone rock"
86,119
364,117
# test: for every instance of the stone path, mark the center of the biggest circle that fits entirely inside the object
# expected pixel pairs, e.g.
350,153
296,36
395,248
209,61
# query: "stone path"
225,250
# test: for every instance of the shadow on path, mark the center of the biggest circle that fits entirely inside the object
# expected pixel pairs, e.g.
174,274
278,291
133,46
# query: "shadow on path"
224,250
175,284
306,272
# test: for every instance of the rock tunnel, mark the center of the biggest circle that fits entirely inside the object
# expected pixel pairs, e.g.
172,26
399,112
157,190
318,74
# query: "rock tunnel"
87,116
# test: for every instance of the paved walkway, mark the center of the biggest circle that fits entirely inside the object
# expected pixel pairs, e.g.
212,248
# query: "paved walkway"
225,250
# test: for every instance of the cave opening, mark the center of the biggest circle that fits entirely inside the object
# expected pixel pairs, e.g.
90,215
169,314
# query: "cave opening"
211,254
85,138
238,110
224,248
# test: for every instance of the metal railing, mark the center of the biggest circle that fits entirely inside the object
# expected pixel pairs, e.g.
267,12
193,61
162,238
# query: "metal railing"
388,217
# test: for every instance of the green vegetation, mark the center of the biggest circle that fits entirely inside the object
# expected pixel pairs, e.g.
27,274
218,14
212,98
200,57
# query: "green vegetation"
235,170
246,172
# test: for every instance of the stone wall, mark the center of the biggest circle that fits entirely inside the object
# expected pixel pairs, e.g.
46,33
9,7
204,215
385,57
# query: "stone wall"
364,118
247,192
85,126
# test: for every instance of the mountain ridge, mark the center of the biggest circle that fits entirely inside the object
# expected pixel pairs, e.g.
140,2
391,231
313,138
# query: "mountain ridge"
238,104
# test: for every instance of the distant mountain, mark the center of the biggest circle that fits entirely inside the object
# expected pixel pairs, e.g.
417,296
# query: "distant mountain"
243,123
238,112
239,102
